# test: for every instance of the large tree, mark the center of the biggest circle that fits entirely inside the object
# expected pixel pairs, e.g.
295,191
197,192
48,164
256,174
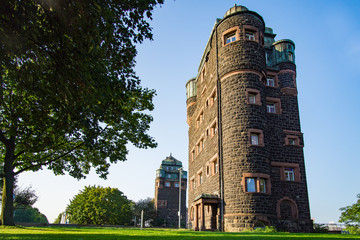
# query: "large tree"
350,215
100,206
69,97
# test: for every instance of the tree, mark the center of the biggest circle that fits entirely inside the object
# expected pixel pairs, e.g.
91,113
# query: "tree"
351,217
69,98
25,197
100,206
29,215
150,213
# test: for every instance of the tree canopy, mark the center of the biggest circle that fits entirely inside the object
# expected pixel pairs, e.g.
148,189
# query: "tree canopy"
100,206
69,97
350,215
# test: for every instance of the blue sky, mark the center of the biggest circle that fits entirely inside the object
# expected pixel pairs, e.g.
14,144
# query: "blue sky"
326,34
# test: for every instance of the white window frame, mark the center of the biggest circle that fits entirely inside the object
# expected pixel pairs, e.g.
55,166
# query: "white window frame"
271,107
270,82
231,37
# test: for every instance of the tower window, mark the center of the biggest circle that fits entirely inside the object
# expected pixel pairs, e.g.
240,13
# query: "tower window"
291,139
230,38
273,105
262,185
270,107
288,171
289,174
249,35
250,185
253,96
231,35
256,183
256,137
270,82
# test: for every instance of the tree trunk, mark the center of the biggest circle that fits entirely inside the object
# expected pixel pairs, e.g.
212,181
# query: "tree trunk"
7,207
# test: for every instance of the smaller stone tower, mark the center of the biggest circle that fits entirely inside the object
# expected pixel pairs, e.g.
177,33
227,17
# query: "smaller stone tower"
167,191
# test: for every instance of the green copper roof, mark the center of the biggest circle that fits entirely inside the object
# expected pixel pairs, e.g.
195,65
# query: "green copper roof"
171,161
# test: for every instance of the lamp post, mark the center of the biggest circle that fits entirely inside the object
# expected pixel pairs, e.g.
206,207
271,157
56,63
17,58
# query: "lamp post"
180,173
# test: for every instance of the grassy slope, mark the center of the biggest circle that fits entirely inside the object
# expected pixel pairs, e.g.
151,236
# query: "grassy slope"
151,234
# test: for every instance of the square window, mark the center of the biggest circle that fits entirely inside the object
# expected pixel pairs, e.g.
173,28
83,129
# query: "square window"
252,98
167,184
250,185
292,141
270,82
289,174
249,35
254,139
271,107
176,184
230,38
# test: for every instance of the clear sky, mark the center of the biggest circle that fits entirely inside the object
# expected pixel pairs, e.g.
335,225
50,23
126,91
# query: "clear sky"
326,34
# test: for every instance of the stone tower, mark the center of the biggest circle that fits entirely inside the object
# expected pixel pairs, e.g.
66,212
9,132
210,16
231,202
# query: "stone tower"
167,191
246,162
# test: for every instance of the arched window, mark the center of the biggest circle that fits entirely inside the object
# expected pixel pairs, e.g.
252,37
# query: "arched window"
287,209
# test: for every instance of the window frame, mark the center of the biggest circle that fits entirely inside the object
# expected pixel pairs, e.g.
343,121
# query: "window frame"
258,178
283,165
251,91
277,105
256,132
253,31
234,31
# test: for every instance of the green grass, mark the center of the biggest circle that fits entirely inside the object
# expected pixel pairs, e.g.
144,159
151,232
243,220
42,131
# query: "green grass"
83,233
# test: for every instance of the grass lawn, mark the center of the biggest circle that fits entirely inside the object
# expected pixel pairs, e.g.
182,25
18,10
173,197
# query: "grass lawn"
150,234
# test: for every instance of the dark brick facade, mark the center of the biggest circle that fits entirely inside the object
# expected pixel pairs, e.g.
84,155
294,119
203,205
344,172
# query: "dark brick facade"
167,192
246,163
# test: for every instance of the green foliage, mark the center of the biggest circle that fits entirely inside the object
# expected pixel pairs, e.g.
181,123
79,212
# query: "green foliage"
29,215
24,197
150,213
100,206
266,229
351,217
320,228
58,219
69,97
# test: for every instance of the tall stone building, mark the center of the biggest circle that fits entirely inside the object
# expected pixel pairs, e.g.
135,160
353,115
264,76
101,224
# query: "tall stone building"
167,191
246,162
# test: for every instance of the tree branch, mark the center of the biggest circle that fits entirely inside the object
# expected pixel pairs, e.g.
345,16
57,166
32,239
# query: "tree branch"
49,161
